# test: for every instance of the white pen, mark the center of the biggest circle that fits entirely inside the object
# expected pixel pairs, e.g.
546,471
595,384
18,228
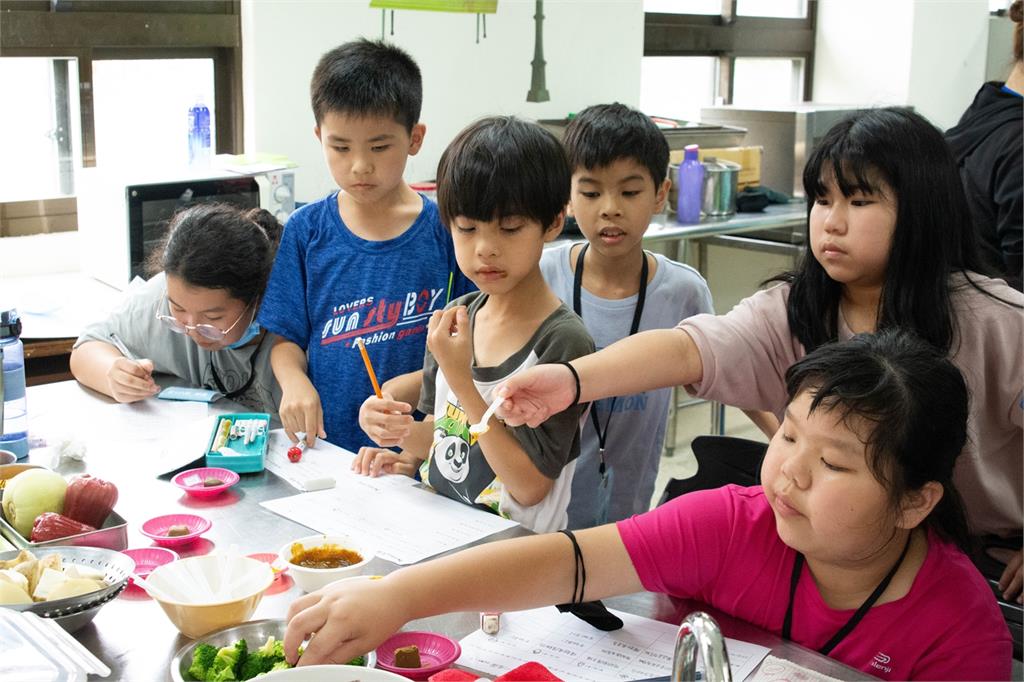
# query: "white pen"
116,340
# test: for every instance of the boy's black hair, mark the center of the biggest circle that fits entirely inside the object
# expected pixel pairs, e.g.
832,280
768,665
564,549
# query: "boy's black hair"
934,235
503,166
367,78
916,403
219,246
604,133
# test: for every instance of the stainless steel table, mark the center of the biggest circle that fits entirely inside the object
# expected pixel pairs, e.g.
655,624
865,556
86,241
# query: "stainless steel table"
137,641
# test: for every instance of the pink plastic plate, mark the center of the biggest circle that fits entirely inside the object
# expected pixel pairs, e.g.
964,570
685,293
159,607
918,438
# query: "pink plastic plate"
437,652
149,558
157,528
191,481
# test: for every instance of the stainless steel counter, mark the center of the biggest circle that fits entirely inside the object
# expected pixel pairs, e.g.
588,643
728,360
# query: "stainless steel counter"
137,641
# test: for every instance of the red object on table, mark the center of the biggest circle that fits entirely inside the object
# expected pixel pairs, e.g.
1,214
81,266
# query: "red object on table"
453,675
294,454
531,670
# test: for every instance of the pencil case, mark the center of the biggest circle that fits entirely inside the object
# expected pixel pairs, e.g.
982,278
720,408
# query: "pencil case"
239,442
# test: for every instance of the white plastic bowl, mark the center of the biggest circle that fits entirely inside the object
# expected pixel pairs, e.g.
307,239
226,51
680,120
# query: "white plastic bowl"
205,593
312,579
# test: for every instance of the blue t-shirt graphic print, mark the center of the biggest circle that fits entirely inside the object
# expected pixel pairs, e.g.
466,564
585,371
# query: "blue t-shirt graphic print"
329,287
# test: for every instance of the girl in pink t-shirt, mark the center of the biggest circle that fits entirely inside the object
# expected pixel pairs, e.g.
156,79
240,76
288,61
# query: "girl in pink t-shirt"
849,547
890,244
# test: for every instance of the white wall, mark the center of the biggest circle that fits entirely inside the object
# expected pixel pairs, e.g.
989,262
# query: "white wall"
592,49
929,54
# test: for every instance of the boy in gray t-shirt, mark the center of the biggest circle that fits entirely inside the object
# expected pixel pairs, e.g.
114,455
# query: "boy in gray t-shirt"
619,160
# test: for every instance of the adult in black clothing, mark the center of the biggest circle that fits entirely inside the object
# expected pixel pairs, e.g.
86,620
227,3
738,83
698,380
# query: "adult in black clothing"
987,143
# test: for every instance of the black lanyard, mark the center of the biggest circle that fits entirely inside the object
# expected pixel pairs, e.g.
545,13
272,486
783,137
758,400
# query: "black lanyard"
638,311
798,565
252,374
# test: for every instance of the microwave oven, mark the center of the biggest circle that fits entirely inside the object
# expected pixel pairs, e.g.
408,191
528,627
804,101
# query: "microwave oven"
123,215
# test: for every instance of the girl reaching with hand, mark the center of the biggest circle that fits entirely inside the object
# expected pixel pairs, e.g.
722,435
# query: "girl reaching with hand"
851,545
890,245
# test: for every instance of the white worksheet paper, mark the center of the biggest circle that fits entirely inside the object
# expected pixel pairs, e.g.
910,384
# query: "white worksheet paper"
576,651
402,522
318,468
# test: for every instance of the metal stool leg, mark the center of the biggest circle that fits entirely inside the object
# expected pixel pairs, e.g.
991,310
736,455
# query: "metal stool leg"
670,430
718,418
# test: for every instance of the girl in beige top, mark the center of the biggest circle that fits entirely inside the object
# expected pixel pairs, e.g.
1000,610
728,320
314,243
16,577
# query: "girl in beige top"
891,244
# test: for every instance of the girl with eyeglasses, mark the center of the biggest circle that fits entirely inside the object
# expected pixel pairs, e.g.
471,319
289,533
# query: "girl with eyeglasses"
196,318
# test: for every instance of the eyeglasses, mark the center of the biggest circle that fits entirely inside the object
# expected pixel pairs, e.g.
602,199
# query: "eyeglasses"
207,331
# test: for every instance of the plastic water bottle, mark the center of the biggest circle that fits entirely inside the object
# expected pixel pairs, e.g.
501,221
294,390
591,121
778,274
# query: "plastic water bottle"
199,134
14,433
691,185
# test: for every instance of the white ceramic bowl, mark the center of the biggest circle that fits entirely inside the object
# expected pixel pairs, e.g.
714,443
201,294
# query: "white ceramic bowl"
332,673
205,593
312,579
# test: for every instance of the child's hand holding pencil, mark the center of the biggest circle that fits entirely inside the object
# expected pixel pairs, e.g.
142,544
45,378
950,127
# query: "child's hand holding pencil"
129,378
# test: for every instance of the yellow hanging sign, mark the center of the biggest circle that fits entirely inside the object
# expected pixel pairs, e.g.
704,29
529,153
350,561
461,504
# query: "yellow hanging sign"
467,6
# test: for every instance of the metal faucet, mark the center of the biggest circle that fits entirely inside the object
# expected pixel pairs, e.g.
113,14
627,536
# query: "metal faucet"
700,631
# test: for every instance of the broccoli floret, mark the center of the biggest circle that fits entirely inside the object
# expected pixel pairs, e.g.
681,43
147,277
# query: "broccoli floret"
358,660
202,659
256,664
228,663
281,665
273,648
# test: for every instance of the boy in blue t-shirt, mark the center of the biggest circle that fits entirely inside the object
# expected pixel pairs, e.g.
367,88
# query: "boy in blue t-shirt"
372,260
619,160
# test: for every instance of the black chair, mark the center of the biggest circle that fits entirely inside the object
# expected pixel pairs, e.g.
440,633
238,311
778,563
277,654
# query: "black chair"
721,460
1013,612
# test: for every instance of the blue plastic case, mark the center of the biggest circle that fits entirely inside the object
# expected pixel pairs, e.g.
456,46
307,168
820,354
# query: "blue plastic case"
250,455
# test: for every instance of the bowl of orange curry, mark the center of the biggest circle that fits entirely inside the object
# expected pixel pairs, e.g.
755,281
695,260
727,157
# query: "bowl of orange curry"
317,560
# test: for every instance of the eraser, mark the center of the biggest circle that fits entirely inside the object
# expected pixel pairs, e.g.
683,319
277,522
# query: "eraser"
318,483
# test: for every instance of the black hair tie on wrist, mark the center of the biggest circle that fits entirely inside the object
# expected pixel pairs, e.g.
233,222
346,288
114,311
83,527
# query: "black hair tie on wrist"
576,378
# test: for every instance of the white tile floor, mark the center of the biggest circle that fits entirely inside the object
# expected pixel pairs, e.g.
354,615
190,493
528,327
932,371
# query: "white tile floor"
694,421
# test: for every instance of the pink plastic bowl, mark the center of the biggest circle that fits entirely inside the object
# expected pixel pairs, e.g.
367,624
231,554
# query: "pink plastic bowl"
191,481
437,652
157,528
148,558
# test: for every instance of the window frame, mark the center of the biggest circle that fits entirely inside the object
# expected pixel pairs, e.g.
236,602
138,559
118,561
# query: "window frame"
727,36
92,30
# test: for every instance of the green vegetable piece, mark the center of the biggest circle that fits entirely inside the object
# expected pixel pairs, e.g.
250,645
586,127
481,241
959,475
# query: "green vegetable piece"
202,659
282,665
228,663
273,648
256,664
358,660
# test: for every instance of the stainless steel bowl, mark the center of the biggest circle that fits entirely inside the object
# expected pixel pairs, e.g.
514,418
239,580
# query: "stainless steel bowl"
255,633
74,612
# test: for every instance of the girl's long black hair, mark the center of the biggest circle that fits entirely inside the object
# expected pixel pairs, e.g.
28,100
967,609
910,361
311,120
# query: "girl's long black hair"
933,239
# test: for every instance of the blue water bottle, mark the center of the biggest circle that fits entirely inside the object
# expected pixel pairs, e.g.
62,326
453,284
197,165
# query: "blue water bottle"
14,423
691,186
199,134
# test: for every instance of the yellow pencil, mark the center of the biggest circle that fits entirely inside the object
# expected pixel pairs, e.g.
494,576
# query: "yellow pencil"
369,367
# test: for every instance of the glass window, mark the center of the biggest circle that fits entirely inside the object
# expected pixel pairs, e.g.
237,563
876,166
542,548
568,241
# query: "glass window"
141,109
790,9
683,6
761,81
677,87
39,134
997,5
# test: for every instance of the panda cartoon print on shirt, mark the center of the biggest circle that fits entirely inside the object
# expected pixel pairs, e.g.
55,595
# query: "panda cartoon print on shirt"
457,467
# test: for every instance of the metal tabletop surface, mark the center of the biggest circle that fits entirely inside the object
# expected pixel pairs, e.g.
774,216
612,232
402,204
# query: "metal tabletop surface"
137,641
